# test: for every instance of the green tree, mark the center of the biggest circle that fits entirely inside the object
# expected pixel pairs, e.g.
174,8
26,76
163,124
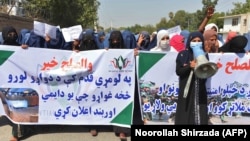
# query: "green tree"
190,22
136,28
202,13
171,15
217,20
240,8
37,9
162,24
180,19
63,12
149,28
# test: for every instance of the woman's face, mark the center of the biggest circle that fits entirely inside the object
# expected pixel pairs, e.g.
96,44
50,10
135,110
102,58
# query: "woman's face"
115,43
214,28
210,44
101,38
166,37
212,40
196,39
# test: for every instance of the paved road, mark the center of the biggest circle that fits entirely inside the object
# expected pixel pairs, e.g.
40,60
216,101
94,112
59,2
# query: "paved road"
79,133
60,133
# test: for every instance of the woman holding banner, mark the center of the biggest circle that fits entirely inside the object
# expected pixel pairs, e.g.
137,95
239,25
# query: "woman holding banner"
116,41
10,37
192,95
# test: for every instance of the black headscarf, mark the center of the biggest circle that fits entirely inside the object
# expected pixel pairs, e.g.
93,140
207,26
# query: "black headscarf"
116,35
186,56
87,40
9,39
235,45
193,35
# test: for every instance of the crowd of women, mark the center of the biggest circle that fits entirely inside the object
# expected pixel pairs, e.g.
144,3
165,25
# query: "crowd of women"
206,37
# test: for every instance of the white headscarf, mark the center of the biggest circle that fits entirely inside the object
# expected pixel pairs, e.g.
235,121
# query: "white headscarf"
160,35
210,26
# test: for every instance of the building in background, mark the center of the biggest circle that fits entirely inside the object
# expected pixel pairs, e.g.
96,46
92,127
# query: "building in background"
12,7
238,23
12,13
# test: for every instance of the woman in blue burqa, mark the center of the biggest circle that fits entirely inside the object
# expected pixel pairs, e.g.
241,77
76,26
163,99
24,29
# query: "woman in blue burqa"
129,39
143,41
87,40
35,40
57,43
100,37
191,108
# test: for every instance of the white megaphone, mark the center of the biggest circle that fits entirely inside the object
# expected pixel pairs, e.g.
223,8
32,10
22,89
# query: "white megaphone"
203,68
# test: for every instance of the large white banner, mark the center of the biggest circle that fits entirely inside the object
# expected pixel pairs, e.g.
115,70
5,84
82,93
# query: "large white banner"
228,90
47,86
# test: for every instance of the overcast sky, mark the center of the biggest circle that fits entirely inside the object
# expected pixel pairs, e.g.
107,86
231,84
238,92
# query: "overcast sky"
124,13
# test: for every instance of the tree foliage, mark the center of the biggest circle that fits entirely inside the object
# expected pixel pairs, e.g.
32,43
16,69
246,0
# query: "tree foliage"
180,19
63,12
202,13
162,24
84,12
240,8
217,19
171,15
192,21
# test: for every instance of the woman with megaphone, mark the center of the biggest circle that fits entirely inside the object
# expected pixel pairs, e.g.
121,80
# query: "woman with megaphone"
192,95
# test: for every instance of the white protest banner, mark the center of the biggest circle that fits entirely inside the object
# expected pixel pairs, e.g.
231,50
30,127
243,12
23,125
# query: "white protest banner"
156,74
228,90
42,29
86,88
72,33
230,85
174,30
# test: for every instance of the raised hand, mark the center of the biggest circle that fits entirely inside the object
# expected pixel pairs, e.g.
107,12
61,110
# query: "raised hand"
210,12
